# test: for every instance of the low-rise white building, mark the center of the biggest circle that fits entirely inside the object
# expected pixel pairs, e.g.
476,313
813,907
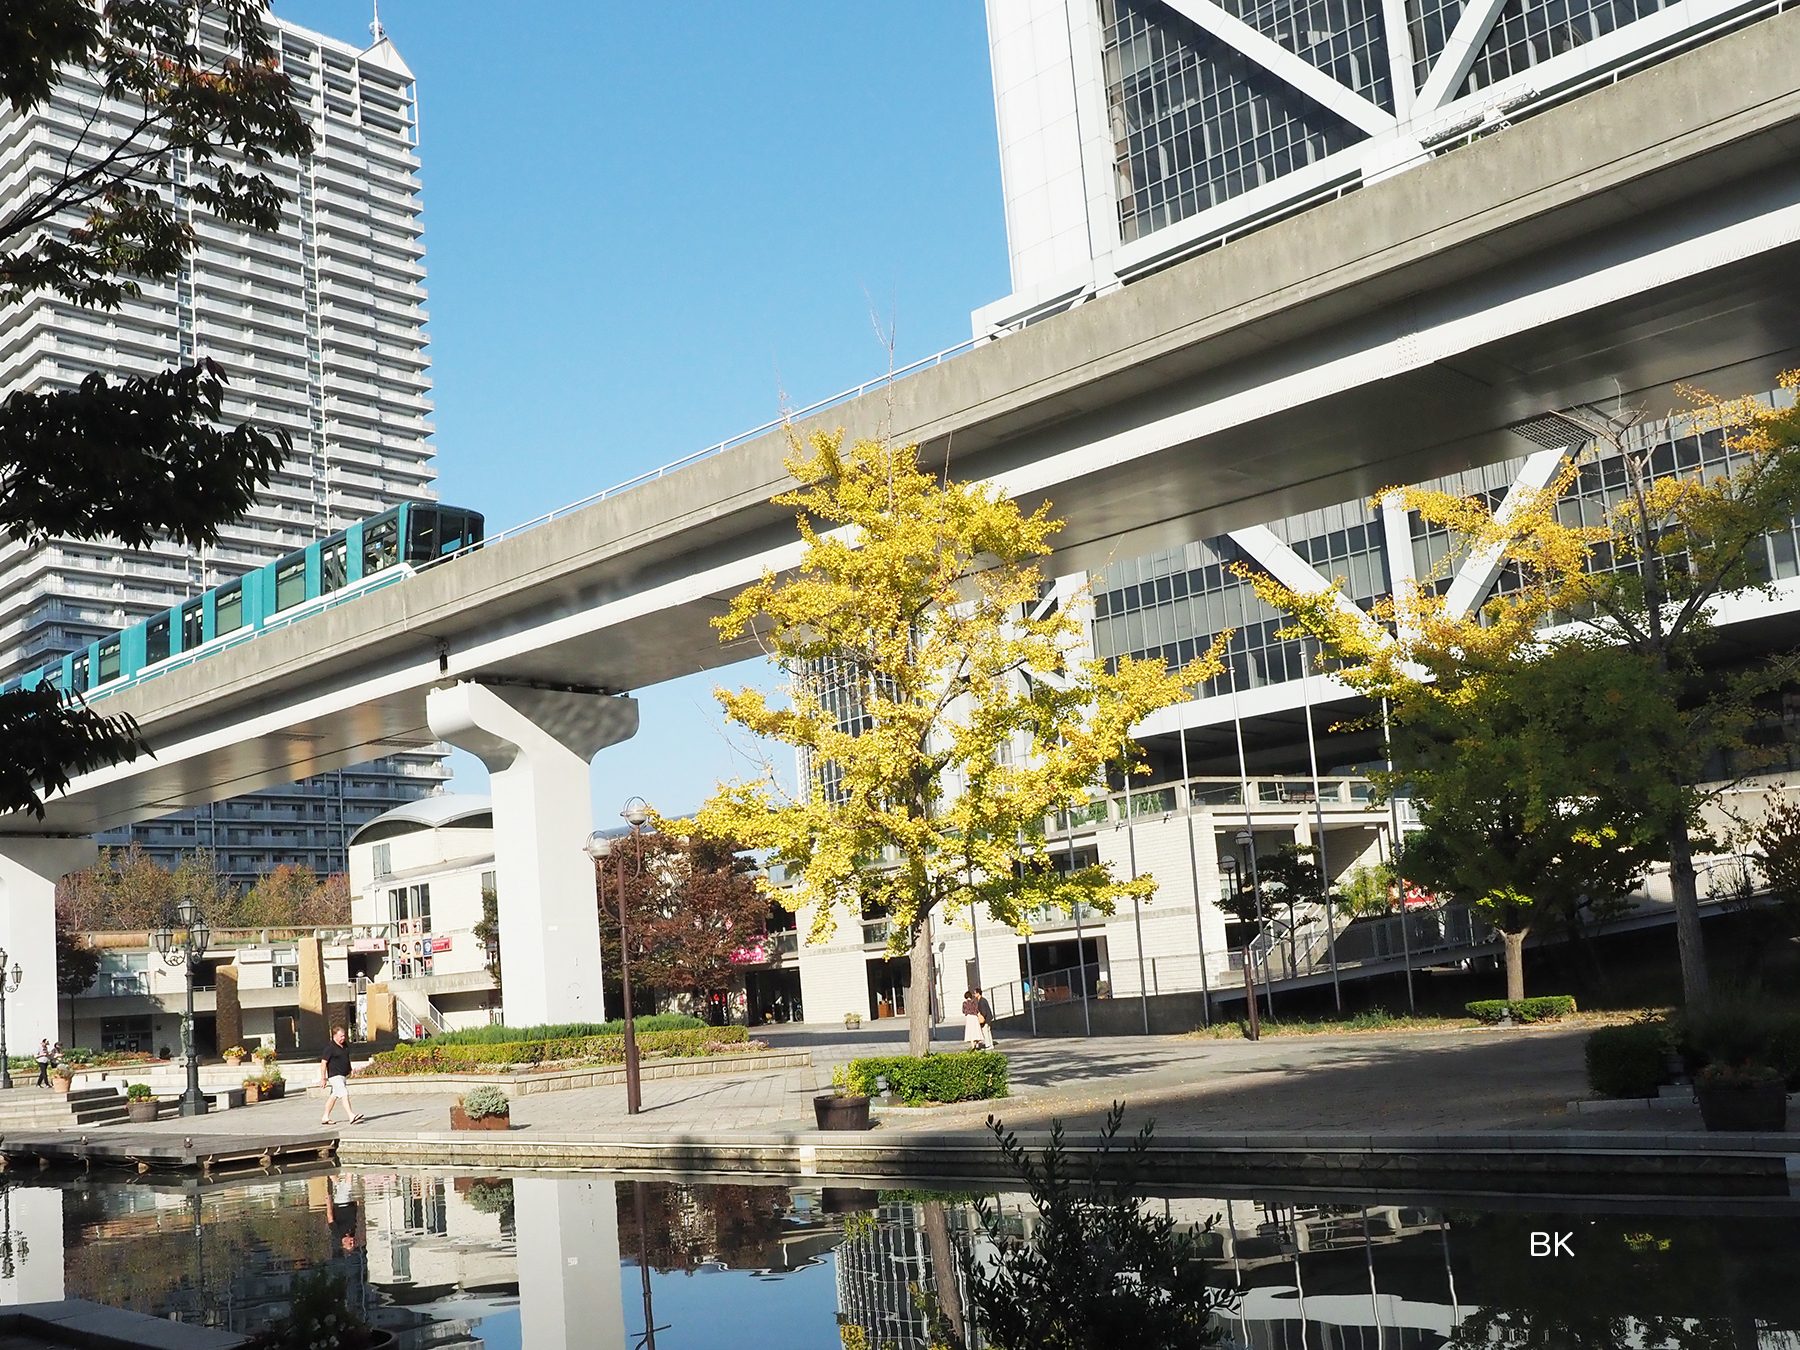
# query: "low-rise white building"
418,873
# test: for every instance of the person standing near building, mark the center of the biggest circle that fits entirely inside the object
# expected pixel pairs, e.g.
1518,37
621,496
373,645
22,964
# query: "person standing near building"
43,1063
986,1012
334,1077
971,1010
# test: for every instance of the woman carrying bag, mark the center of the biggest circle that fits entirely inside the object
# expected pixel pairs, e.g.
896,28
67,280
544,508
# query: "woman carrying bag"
972,1037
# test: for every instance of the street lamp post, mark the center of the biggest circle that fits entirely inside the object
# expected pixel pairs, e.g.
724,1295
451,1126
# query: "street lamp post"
1247,842
10,979
183,948
599,848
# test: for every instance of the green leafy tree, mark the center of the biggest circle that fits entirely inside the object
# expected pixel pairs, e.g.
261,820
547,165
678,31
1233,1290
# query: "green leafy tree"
936,694
140,457
1620,600
487,932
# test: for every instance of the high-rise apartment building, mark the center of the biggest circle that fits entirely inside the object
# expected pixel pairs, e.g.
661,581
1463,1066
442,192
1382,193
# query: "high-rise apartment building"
320,330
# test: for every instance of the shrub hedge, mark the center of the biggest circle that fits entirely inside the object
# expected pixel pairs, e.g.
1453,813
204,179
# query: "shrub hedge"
565,1031
434,1056
1628,1061
1545,1009
1631,1061
960,1076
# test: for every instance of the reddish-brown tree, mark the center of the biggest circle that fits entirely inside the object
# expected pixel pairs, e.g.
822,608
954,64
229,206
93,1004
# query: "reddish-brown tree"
691,907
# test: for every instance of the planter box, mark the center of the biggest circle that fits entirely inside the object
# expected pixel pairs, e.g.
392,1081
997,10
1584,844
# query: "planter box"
1758,1107
841,1113
462,1120
275,1091
142,1113
62,1084
252,1095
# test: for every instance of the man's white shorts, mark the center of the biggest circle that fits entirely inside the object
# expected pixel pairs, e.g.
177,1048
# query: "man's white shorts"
336,1086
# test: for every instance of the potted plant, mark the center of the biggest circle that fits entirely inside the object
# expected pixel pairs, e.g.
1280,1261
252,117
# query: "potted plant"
1742,1097
841,1109
852,1020
62,1077
235,1055
140,1103
252,1091
274,1086
484,1108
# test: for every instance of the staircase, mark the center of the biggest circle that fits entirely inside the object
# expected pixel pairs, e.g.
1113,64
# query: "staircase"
28,1109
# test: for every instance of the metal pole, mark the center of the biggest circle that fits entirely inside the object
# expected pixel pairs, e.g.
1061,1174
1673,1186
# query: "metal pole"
1031,992
1312,754
637,1198
1237,724
192,1103
1187,793
1394,853
1087,1020
1137,917
632,1099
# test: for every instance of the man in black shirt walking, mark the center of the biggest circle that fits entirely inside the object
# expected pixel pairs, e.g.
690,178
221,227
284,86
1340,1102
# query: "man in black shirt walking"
334,1076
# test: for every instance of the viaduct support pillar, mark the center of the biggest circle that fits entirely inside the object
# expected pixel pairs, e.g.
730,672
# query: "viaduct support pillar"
30,867
536,744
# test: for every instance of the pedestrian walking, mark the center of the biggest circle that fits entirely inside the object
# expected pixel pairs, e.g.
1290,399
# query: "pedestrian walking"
43,1062
334,1077
986,1012
971,1009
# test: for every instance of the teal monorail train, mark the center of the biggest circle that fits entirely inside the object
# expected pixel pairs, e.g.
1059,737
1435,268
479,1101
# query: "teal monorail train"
368,555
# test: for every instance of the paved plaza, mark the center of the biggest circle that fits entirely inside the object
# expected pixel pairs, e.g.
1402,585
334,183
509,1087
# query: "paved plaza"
1424,1082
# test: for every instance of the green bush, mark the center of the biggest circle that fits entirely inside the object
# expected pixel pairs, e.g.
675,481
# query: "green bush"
1628,1061
1545,1009
434,1056
138,1092
568,1031
486,1100
491,1196
961,1076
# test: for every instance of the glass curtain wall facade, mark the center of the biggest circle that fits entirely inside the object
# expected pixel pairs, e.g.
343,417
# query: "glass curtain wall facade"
320,330
1136,132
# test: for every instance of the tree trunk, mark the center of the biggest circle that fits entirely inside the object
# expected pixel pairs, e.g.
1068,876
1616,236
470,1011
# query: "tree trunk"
944,1271
918,993
1515,964
1690,940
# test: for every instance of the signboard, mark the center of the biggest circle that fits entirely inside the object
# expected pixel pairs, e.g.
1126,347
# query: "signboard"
439,944
369,945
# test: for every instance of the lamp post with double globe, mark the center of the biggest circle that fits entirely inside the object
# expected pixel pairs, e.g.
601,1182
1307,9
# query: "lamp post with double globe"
10,979
183,948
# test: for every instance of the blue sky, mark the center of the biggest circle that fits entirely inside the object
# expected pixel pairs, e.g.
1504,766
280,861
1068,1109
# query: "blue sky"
643,225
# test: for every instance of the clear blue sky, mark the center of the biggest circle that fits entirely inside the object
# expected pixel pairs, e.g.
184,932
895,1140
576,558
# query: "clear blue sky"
644,224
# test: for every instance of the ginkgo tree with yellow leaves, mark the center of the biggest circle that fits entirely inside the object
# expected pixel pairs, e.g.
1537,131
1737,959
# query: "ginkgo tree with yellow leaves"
970,719
1602,640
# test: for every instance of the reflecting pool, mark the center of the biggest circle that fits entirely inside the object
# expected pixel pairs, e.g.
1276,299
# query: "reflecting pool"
594,1260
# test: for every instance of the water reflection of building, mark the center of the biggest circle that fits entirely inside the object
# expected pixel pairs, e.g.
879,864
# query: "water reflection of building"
889,1270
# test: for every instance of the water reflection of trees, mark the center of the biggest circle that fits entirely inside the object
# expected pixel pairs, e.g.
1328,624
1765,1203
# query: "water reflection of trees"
687,1226
144,1252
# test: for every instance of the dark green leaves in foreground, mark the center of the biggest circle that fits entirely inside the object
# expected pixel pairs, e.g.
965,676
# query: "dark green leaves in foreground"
47,739
1099,1271
138,460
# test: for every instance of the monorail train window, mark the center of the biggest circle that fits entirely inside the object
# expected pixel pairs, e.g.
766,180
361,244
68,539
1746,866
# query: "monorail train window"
457,529
109,662
290,582
381,544
193,625
79,682
228,610
156,640
421,533
334,566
